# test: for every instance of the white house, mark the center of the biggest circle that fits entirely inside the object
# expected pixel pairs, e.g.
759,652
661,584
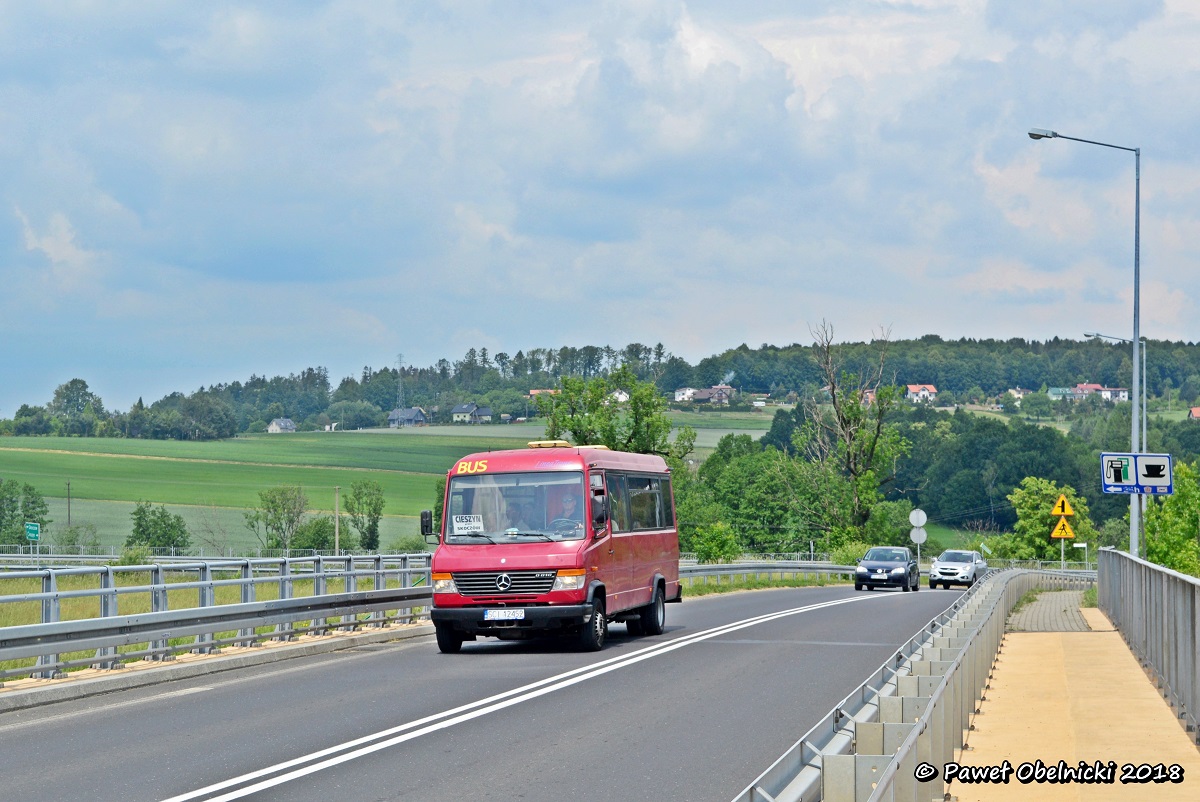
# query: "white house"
684,394
281,426
921,393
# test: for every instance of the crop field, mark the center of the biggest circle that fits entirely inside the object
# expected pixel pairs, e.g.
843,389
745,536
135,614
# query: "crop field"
212,484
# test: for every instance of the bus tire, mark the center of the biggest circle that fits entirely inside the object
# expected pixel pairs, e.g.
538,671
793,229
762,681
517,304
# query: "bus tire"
591,637
448,641
654,615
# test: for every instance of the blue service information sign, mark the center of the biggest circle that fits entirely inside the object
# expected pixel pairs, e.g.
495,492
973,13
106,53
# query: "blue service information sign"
1146,474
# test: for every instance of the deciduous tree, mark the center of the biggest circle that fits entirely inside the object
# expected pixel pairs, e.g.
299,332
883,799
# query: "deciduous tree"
1171,524
154,527
364,506
279,513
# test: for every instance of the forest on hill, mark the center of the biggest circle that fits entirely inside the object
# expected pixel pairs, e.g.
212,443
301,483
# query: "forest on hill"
962,370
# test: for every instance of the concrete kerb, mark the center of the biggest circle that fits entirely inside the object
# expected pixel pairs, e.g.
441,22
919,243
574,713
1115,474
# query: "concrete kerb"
78,685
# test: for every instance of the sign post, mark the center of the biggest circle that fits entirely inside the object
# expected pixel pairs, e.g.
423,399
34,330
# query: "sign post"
33,533
1062,531
918,535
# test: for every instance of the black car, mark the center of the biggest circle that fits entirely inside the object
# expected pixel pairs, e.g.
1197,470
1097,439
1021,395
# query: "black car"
888,566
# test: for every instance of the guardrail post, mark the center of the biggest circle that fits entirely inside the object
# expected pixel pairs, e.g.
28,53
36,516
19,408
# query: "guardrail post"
159,602
350,585
283,631
50,615
206,597
105,655
319,625
378,617
248,594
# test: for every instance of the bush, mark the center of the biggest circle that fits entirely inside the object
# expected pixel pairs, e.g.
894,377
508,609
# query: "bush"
82,538
717,543
407,544
135,555
315,534
848,553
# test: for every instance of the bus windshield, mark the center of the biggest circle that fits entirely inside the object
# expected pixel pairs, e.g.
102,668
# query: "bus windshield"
515,507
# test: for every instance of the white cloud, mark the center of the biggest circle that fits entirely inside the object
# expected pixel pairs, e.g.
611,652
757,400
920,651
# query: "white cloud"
206,191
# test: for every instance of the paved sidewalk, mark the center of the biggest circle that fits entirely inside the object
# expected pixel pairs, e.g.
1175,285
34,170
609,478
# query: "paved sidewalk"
1072,691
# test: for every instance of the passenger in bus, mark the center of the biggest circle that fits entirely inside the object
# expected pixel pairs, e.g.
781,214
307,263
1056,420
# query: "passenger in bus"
516,517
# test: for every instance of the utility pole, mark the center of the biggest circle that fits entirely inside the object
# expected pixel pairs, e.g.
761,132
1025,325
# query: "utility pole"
68,503
399,387
337,520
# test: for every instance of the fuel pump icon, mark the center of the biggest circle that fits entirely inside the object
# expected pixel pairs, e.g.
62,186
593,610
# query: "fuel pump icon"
1116,469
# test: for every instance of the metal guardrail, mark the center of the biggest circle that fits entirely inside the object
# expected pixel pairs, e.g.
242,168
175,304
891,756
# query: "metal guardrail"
746,570
1155,609
914,709
327,592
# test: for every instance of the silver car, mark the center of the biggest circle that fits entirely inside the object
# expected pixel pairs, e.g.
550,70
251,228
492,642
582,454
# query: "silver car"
956,567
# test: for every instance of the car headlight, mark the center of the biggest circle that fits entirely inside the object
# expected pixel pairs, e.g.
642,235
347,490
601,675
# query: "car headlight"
860,570
570,579
444,583
899,570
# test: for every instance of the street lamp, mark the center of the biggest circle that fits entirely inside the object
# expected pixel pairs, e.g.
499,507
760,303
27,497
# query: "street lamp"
1095,335
1135,446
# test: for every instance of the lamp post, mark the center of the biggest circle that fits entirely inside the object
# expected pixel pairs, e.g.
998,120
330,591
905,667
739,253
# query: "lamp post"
1135,446
1095,335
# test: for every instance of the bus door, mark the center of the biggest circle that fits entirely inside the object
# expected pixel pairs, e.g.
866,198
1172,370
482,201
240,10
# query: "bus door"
621,543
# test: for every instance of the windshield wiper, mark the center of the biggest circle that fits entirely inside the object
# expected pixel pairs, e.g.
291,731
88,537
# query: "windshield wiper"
478,534
542,535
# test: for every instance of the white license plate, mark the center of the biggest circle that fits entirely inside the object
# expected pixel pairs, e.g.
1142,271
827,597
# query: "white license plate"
503,615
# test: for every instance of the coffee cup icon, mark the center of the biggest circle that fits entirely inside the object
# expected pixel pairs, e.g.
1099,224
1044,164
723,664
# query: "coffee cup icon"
1154,471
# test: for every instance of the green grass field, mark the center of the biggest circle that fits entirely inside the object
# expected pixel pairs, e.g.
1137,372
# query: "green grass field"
212,484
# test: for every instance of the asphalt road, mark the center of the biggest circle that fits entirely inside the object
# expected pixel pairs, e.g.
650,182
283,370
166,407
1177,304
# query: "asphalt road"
693,714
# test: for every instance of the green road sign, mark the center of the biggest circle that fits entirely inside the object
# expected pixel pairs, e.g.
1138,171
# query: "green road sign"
33,530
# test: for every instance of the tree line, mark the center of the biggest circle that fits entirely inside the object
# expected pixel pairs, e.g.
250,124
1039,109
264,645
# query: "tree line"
964,371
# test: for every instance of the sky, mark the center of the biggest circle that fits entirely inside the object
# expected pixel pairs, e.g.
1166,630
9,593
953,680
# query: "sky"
192,193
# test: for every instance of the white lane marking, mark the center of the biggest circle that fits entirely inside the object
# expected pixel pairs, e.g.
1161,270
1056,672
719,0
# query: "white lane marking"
415,729
102,709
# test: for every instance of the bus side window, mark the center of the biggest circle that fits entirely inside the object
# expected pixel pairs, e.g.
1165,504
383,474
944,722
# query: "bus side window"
645,502
617,503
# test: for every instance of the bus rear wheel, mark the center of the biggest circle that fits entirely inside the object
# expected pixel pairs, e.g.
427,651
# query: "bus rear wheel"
654,615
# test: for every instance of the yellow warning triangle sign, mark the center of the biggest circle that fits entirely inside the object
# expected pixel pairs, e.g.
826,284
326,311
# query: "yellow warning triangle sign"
1063,530
1062,506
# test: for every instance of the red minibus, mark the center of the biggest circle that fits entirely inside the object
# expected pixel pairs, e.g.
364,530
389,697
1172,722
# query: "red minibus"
553,539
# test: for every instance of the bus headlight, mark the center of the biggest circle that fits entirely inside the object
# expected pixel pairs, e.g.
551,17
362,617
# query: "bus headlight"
444,583
570,579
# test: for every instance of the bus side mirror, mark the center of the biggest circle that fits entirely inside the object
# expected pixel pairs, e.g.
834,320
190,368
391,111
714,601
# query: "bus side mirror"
599,511
427,527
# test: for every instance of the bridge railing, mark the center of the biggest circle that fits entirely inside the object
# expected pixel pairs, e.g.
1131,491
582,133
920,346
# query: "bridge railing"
916,708
1155,610
91,615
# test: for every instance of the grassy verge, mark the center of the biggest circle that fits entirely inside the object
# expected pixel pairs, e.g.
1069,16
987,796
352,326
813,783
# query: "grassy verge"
698,587
1090,598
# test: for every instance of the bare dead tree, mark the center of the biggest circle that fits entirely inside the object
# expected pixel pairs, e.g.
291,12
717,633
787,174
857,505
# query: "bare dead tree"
851,430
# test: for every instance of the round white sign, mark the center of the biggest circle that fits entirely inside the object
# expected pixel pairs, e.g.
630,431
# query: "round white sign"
918,535
917,518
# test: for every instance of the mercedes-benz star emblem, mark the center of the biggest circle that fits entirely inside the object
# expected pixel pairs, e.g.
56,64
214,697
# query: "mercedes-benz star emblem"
503,582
